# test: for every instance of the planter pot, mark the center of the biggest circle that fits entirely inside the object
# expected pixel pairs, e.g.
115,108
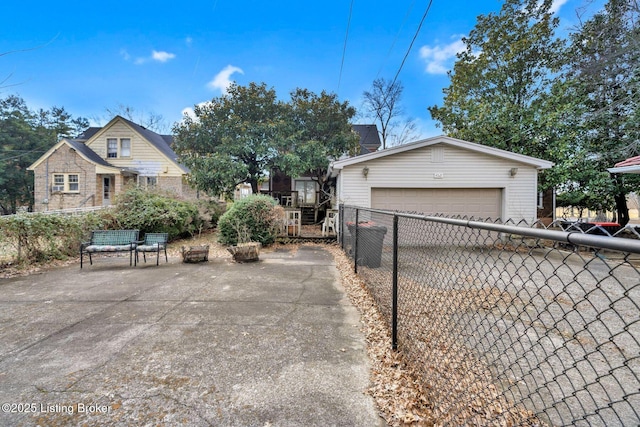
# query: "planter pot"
195,253
245,252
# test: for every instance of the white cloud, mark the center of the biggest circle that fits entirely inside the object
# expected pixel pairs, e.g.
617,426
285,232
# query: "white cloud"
439,58
162,56
222,80
188,41
556,5
190,111
158,56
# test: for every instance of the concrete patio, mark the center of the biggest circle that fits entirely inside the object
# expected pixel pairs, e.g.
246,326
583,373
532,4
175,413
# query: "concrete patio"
269,343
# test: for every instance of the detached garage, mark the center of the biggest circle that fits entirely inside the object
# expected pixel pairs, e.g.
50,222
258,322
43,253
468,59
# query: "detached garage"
442,175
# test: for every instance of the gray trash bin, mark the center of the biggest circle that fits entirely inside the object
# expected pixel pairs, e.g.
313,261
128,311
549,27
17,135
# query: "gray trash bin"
370,240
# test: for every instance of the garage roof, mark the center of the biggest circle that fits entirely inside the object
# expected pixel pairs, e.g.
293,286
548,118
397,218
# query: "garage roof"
336,166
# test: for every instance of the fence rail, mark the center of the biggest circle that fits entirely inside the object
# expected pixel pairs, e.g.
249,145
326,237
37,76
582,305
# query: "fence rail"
507,324
68,211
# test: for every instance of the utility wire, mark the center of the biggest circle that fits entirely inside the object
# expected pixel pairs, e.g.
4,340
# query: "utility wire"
19,155
344,49
393,44
415,36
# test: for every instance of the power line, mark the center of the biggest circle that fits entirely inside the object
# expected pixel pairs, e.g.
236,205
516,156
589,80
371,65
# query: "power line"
25,152
415,36
393,44
344,49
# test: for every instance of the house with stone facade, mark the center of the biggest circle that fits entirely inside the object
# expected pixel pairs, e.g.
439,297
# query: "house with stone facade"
93,168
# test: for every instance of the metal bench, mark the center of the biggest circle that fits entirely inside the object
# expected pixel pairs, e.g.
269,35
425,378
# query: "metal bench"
153,242
110,241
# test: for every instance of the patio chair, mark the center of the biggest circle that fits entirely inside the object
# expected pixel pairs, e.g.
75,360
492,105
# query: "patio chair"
329,224
153,242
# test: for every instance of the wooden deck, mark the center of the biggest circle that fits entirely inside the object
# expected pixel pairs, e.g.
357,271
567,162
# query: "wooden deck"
309,233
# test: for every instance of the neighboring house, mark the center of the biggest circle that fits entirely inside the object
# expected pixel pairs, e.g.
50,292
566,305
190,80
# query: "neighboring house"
304,193
442,175
93,168
630,165
369,138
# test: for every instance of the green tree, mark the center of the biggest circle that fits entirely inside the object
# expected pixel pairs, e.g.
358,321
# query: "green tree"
234,138
24,137
61,122
21,143
322,128
242,136
498,83
603,78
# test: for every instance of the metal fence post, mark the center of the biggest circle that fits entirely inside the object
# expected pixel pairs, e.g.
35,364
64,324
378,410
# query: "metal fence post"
355,243
394,297
462,283
340,222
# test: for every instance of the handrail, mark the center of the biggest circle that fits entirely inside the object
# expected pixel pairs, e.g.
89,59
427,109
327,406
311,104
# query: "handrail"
574,237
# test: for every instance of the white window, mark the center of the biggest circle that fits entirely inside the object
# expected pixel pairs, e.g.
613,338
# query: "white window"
125,147
72,182
306,191
58,183
117,149
112,148
65,183
540,199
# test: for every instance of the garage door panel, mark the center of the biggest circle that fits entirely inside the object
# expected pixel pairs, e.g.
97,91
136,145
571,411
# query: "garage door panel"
476,202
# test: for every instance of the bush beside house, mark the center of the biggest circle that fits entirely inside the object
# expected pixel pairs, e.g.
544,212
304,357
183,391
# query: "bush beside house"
256,218
35,238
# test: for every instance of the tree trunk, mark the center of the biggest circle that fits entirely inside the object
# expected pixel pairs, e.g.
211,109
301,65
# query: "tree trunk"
254,186
621,202
622,208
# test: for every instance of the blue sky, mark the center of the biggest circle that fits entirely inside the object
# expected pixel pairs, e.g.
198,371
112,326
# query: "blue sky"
163,57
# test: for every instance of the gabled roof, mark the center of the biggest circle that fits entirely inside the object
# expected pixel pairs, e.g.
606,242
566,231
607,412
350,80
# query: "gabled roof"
369,138
83,151
630,165
88,133
527,160
88,153
161,142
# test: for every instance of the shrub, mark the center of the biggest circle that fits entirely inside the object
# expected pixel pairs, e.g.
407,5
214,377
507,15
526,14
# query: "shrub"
154,212
255,218
41,237
211,211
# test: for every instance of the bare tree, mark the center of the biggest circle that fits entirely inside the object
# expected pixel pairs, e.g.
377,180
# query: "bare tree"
382,102
407,131
150,120
4,80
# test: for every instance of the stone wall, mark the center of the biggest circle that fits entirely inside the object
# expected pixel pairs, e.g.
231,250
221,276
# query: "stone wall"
64,161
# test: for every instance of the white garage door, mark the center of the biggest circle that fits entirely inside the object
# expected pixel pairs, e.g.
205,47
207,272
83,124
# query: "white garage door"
476,202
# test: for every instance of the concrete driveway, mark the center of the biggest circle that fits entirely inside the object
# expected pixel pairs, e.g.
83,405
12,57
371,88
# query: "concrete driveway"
272,343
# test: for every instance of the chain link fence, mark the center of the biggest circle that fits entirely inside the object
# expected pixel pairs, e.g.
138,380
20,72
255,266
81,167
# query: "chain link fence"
506,324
